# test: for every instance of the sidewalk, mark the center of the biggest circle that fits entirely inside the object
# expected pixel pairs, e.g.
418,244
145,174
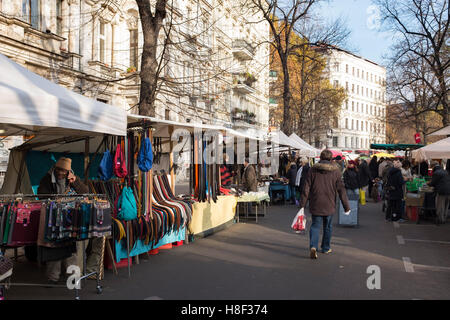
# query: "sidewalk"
270,261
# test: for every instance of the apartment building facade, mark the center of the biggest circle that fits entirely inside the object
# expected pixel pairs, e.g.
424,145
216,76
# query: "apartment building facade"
215,69
362,118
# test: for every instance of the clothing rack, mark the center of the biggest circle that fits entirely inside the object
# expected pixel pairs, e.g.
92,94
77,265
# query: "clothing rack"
99,288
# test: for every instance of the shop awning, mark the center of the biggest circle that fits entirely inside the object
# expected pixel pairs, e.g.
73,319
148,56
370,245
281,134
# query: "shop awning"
308,150
441,132
437,150
33,105
395,147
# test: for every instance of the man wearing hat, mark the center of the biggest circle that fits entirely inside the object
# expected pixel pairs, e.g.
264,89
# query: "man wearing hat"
60,179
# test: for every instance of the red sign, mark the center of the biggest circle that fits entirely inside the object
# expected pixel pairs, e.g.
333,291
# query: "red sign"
417,137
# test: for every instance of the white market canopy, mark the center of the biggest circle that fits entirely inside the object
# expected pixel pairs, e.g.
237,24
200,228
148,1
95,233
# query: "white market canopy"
163,127
442,132
280,138
437,150
307,150
31,104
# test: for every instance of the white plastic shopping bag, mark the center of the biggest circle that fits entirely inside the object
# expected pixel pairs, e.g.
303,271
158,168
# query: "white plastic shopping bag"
299,222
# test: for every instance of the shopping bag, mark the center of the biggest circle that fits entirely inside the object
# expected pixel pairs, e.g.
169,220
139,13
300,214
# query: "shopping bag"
362,197
299,222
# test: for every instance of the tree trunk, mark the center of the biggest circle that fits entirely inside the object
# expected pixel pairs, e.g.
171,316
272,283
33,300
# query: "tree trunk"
149,73
286,125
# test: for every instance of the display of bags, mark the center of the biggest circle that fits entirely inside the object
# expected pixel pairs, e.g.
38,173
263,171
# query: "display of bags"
127,209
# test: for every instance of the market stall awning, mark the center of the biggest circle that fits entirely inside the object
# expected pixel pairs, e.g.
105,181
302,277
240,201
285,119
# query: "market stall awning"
441,132
384,155
163,127
280,138
395,147
437,150
31,104
308,150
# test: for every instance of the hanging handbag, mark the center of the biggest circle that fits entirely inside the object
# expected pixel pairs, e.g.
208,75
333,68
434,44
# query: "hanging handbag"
145,158
120,167
127,209
105,170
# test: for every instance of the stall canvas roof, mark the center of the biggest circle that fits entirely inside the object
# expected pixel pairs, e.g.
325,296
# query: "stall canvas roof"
31,104
437,150
308,149
162,127
441,132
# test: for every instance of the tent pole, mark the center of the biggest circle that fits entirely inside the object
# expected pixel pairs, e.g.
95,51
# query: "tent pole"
86,160
22,168
151,180
172,174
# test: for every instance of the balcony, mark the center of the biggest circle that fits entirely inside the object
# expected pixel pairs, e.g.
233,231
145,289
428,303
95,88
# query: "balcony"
243,83
242,50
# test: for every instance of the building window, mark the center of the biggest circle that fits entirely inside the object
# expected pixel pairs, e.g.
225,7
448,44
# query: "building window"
346,123
353,71
336,66
353,88
353,125
59,17
336,83
346,68
357,89
101,41
346,142
31,12
134,61
346,104
357,125
357,107
335,141
353,106
367,129
346,86
362,74
357,73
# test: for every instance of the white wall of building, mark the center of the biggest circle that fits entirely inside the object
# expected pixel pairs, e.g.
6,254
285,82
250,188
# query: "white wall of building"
65,46
362,118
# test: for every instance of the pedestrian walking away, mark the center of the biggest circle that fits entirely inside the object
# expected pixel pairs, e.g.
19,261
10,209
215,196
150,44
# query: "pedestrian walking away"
394,191
440,180
323,184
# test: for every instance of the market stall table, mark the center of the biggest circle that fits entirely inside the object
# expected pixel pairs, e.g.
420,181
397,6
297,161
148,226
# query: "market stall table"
276,187
258,199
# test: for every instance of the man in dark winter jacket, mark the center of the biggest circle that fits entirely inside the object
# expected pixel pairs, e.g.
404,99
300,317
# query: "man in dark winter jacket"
441,183
364,175
394,190
323,183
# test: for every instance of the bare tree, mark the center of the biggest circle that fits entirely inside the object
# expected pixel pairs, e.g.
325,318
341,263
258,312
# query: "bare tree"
293,20
422,29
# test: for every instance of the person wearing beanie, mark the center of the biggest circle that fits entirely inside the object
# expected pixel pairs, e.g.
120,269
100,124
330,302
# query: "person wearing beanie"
60,179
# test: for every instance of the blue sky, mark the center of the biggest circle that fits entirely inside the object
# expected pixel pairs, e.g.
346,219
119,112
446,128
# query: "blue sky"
366,38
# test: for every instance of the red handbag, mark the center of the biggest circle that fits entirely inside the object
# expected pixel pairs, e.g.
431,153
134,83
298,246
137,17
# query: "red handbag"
120,167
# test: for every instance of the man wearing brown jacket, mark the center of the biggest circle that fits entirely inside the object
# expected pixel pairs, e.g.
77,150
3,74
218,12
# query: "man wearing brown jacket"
323,183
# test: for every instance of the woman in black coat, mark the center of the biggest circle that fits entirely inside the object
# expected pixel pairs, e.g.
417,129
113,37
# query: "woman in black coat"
351,177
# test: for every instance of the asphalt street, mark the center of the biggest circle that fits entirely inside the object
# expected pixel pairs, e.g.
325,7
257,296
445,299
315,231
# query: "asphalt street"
268,260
